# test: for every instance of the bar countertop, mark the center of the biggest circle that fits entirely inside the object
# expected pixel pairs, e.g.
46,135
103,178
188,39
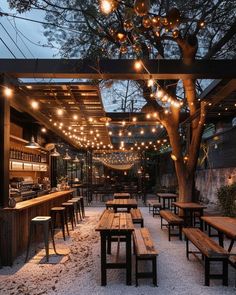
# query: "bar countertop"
39,200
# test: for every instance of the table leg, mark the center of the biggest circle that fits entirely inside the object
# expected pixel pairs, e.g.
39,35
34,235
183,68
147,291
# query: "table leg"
231,245
221,239
128,259
103,260
201,221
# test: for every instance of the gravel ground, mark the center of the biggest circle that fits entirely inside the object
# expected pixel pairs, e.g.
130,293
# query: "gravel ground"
77,270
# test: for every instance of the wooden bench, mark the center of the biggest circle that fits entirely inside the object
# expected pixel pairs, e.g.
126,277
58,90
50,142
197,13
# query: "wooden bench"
144,250
210,251
172,221
154,207
137,217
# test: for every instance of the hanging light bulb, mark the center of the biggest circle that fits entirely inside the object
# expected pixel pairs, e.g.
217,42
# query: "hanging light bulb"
128,25
150,82
32,144
108,6
146,21
138,65
55,153
8,92
141,7
67,156
76,160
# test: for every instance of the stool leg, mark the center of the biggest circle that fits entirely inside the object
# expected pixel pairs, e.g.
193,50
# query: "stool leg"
80,209
71,213
63,224
29,241
66,222
53,216
136,271
46,242
53,241
77,212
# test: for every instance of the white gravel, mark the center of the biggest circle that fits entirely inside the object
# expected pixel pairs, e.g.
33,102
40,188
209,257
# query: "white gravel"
78,270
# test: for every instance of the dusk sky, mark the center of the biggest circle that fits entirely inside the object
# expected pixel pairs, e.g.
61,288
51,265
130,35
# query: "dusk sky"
26,30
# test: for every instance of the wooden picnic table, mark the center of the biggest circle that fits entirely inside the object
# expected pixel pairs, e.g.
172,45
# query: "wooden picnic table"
121,195
115,224
225,226
190,209
167,197
122,203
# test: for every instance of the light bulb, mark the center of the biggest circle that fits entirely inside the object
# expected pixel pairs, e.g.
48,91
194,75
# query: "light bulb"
108,6
138,65
8,91
34,104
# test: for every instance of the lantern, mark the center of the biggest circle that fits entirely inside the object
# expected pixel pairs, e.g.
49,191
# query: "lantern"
128,25
108,6
141,7
146,22
174,16
123,49
121,37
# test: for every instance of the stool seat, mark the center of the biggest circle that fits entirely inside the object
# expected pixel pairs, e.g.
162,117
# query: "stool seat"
46,223
58,208
41,219
72,201
67,204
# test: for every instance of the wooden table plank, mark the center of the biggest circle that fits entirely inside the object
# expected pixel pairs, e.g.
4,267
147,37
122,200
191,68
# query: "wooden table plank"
189,205
226,225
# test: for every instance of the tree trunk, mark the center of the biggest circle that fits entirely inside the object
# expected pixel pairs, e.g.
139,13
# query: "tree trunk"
186,187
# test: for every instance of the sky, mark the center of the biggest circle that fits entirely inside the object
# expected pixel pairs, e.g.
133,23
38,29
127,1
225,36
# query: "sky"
23,33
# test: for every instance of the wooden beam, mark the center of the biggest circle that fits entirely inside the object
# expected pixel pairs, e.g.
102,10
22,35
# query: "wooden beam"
117,69
4,147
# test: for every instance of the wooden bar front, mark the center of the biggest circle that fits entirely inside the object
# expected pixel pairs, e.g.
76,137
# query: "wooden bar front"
15,223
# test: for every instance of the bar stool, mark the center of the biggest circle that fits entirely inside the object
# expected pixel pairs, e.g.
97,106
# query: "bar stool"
70,212
76,202
82,205
61,211
76,210
46,222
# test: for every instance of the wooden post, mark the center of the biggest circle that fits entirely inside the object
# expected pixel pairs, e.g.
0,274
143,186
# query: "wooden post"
4,147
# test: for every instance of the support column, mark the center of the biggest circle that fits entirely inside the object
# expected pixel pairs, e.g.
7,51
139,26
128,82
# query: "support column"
4,148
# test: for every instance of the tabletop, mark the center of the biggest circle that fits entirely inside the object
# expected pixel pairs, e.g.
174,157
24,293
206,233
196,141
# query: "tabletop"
167,195
121,195
227,225
122,202
189,205
111,221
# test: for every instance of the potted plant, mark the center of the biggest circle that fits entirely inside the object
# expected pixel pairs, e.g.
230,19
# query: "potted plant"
226,196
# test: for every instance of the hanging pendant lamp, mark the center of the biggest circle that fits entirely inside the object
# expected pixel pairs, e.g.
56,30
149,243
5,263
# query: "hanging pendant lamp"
76,160
67,157
55,153
32,144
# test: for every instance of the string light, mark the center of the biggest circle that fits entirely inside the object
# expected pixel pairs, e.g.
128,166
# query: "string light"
8,91
60,112
34,105
138,65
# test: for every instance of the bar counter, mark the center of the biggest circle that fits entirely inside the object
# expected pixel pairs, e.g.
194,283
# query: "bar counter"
14,223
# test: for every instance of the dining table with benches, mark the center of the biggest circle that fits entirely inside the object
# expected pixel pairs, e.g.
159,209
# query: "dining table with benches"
117,225
127,204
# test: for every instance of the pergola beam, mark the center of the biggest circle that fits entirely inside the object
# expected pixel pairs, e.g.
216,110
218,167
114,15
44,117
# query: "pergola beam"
121,69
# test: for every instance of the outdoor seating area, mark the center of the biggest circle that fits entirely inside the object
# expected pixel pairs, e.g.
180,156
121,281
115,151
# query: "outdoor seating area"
117,147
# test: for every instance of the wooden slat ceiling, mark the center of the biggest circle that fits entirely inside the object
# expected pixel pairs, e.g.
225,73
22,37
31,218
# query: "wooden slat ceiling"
80,100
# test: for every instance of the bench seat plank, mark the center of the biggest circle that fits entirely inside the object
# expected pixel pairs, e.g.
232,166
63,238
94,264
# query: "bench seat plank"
170,217
206,245
143,242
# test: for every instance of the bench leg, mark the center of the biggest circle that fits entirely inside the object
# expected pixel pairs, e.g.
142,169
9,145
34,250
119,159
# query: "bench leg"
207,272
154,271
187,248
225,272
136,271
180,232
109,244
169,233
142,225
161,223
